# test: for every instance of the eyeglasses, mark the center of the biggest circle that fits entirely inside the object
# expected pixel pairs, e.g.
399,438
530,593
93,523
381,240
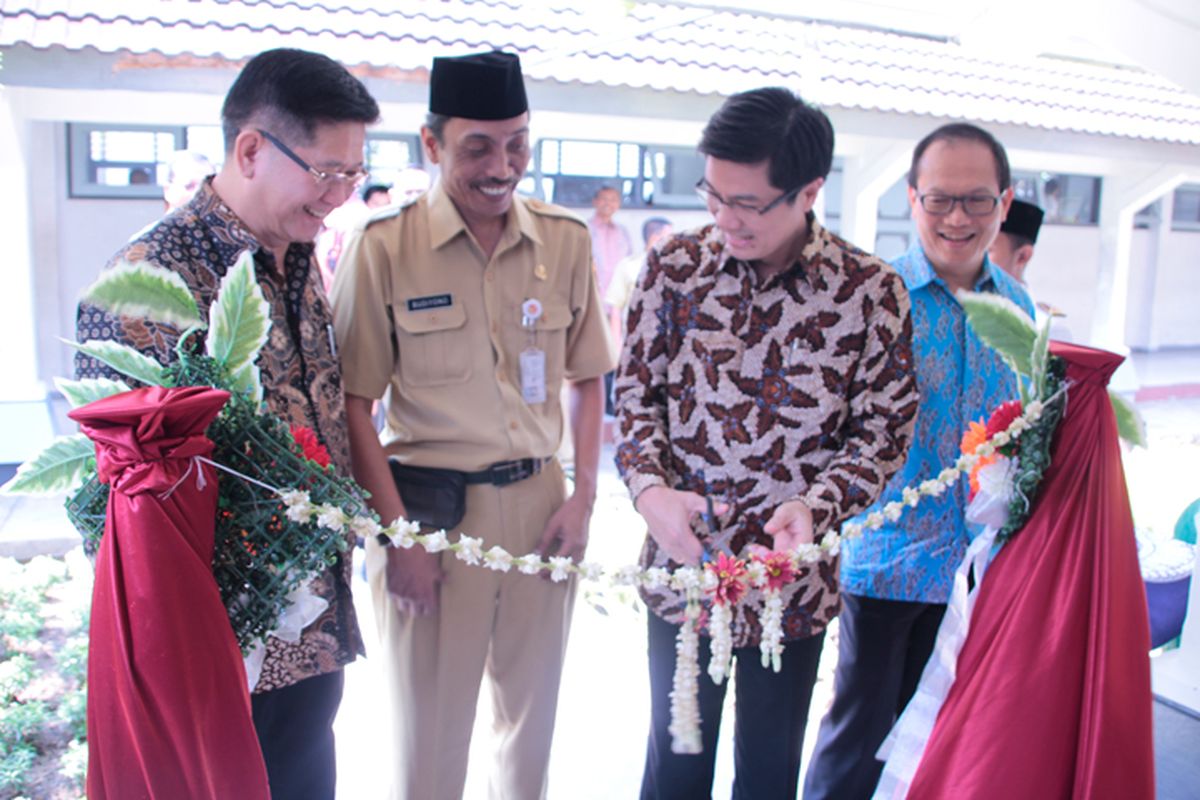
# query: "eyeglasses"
352,179
712,199
974,205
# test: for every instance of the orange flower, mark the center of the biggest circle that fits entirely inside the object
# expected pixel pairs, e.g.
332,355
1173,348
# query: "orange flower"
975,435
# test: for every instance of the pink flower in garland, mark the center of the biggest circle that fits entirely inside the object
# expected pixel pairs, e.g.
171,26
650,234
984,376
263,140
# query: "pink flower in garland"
310,445
779,571
730,572
1003,416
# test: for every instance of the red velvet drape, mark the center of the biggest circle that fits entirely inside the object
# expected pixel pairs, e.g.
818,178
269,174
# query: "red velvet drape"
1052,698
168,707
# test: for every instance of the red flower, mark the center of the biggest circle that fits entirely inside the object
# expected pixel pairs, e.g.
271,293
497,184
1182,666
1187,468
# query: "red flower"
310,445
729,572
1003,416
779,569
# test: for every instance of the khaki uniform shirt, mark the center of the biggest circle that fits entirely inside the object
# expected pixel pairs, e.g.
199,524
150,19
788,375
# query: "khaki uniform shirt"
421,312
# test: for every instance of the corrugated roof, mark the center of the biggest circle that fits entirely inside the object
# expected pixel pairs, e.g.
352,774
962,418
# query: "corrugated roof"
665,47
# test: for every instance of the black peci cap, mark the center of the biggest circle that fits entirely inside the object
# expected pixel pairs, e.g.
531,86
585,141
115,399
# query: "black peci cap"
479,86
1024,219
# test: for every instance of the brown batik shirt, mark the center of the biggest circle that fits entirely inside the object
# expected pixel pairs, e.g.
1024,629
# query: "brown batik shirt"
298,367
800,387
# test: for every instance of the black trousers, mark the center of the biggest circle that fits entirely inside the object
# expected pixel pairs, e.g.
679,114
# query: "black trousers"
295,730
771,712
882,649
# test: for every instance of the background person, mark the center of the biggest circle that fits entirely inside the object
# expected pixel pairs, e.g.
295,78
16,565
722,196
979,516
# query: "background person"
616,297
471,307
1013,246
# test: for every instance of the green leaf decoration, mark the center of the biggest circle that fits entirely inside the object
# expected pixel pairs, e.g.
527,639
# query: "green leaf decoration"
1040,360
1130,425
58,468
123,359
88,390
1003,326
237,320
144,290
246,382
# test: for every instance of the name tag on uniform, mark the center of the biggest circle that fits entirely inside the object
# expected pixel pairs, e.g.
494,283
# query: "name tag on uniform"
429,301
533,375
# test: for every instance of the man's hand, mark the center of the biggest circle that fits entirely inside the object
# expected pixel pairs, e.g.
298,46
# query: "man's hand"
412,580
668,514
566,532
791,525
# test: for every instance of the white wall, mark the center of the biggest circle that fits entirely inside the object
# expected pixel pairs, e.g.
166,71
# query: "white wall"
79,239
1064,272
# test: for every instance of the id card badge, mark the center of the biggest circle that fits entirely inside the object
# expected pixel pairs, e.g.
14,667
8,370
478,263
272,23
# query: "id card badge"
533,375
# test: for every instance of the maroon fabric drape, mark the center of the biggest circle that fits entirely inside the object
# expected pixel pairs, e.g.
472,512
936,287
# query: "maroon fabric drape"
168,707
1052,697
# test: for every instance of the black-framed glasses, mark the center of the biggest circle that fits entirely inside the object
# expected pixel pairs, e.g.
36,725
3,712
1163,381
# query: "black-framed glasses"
353,178
711,199
974,205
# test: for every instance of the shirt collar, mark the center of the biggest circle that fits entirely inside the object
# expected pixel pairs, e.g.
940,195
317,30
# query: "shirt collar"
921,271
803,267
445,223
207,205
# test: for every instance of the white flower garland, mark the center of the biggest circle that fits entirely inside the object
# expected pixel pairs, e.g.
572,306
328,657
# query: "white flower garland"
692,581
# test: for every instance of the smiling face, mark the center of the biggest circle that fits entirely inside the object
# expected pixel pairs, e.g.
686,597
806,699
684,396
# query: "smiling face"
772,240
287,205
481,163
955,243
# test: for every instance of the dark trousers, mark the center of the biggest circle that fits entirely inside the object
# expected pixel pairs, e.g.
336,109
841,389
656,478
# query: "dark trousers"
882,649
771,711
295,730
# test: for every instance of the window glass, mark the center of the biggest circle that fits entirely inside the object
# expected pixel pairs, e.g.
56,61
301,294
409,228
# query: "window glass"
1066,199
571,171
120,160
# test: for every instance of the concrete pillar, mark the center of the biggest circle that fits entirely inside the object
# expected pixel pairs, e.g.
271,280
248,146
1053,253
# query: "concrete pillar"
24,416
865,177
1124,194
1139,326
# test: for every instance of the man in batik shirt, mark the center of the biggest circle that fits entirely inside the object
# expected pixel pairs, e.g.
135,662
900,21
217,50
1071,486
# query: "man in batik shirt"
896,580
768,366
294,124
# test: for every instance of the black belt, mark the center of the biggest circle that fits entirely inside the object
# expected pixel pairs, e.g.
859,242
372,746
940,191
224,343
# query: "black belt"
503,473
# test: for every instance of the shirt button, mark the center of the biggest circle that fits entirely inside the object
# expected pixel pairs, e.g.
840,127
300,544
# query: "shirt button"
495,327
501,377
490,275
513,424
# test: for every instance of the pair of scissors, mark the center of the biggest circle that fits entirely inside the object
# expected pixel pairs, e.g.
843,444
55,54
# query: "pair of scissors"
717,541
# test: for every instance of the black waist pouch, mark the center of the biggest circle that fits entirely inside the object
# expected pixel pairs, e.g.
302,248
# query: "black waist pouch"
432,496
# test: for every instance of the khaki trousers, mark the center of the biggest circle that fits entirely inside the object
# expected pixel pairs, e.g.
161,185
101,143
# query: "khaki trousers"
511,626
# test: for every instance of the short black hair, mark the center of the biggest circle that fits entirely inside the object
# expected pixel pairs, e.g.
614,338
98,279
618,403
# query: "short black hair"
963,132
293,91
652,226
775,125
373,189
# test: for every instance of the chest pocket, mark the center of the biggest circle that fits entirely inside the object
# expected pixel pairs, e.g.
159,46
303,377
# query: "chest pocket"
433,347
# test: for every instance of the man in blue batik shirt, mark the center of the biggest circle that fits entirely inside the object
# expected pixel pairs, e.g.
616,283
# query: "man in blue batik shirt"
896,580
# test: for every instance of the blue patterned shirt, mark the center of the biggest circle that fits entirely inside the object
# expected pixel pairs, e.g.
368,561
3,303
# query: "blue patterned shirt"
959,379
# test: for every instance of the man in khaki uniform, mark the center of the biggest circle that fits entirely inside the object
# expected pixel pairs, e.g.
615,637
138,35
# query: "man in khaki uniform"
471,306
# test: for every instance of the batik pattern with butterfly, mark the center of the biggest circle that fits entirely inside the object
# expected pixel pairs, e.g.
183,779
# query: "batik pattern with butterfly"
799,387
